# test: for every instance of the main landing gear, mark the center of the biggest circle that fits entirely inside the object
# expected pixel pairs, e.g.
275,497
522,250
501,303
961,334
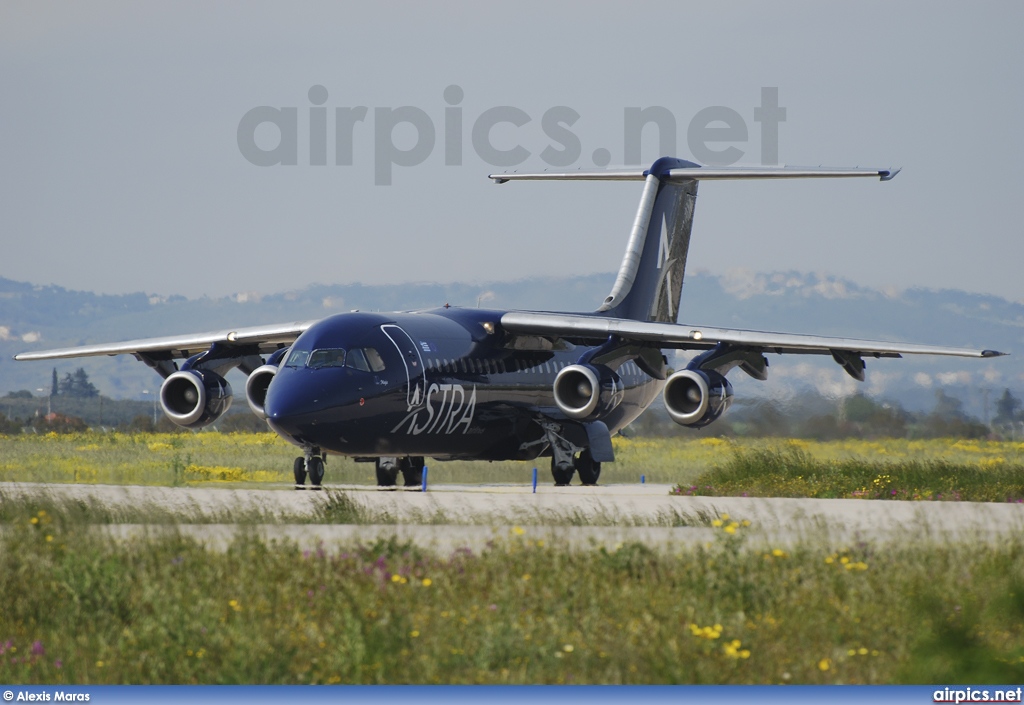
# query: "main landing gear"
411,468
584,464
311,465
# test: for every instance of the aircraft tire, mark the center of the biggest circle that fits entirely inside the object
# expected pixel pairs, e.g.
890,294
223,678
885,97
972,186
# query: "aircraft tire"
589,471
316,472
562,476
412,471
386,474
299,468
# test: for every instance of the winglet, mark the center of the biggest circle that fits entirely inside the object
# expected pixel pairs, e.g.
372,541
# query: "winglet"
993,353
890,174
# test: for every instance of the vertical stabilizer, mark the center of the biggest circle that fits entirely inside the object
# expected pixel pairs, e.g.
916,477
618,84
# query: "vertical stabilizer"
650,279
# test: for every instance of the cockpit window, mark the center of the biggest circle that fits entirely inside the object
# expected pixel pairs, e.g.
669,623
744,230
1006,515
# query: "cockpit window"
297,358
365,360
374,359
326,357
362,359
357,360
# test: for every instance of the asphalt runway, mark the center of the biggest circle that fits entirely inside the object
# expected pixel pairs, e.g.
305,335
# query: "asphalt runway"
450,517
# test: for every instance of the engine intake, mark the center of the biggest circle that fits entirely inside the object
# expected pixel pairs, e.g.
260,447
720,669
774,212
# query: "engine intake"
695,398
256,388
195,398
585,391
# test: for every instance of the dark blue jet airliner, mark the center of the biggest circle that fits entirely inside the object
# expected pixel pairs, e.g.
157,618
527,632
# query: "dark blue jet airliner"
456,383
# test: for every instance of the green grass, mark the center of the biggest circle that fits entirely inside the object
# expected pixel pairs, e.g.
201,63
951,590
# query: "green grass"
245,459
772,471
79,608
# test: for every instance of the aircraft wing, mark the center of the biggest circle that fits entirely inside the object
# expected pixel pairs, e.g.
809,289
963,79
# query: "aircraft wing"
687,337
264,338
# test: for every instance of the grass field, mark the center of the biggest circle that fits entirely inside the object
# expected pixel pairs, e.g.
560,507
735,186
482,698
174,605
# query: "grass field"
204,458
81,609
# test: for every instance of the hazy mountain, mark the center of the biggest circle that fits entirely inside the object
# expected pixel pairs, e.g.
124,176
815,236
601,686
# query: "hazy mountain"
34,317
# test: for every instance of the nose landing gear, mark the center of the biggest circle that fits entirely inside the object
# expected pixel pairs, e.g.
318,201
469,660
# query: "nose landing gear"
311,465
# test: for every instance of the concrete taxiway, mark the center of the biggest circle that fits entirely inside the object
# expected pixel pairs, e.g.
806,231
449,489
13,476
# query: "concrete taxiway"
449,517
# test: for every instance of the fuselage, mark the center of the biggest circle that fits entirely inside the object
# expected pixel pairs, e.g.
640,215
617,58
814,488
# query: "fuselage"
444,383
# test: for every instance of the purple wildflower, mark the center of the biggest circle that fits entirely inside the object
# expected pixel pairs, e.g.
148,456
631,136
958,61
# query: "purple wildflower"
37,648
58,664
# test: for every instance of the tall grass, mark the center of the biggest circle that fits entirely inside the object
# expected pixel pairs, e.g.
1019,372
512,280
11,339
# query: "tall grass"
792,472
78,608
209,458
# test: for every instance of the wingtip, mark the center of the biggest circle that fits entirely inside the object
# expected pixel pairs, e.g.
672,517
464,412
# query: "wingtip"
993,353
890,174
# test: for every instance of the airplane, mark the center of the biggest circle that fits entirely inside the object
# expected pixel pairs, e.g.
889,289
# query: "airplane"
458,383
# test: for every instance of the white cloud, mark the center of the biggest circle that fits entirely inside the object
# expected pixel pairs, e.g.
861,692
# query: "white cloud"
947,378
744,283
923,379
33,337
333,302
992,375
5,333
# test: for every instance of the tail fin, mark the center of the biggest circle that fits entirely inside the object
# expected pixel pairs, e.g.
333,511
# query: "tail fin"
650,279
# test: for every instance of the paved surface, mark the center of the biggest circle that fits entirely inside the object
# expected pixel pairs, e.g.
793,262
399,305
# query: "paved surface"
455,516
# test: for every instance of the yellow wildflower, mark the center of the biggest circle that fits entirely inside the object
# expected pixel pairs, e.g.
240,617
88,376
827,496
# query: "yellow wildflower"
824,664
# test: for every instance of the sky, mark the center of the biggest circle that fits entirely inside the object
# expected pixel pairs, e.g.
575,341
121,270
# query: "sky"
129,132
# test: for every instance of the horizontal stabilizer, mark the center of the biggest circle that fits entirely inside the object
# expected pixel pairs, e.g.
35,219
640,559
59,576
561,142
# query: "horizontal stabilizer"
701,173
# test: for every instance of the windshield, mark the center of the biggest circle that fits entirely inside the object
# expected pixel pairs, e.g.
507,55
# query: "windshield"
297,358
326,357
362,359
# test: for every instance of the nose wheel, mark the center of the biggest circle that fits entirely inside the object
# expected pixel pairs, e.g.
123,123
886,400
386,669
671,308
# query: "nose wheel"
310,465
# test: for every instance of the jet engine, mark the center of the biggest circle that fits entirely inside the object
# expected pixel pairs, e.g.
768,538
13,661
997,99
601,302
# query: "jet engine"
195,398
695,398
256,388
586,391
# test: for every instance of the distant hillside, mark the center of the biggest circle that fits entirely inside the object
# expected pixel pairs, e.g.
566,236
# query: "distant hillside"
34,317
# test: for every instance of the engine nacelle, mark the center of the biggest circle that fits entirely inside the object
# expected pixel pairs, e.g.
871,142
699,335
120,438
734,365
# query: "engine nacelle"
195,398
695,398
587,392
256,388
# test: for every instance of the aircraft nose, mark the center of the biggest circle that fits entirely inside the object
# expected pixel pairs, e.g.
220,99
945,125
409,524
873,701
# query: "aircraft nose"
288,406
